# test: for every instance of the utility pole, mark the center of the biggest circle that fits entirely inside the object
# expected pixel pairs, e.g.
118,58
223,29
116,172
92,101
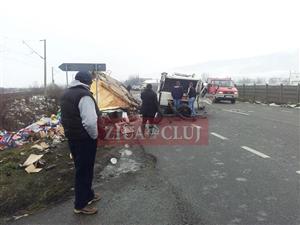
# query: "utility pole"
52,76
45,67
45,62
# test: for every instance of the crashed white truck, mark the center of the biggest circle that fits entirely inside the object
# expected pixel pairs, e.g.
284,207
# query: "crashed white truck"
165,99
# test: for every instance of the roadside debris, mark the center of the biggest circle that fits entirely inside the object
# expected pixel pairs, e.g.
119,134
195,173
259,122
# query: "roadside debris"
19,217
113,161
274,104
50,167
32,159
45,128
126,163
31,163
292,106
42,146
23,110
32,169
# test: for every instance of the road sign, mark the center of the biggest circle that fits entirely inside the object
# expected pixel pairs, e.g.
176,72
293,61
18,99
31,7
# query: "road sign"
82,67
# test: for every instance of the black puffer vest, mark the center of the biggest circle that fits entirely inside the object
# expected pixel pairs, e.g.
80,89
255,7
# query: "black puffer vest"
70,114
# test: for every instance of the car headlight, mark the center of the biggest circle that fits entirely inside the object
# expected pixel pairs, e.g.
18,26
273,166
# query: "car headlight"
220,92
235,92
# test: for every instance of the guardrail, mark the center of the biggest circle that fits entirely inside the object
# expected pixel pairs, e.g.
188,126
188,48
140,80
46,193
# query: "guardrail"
280,94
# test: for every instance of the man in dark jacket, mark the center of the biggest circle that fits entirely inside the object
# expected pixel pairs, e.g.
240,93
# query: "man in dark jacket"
149,106
192,96
177,93
79,113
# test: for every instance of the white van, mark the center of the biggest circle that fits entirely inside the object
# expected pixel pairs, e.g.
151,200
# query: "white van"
168,81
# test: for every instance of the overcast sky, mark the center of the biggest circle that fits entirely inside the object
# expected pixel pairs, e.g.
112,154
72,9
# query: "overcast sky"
139,36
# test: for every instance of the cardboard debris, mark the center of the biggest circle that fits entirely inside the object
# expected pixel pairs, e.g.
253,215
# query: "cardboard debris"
32,169
32,159
42,146
113,94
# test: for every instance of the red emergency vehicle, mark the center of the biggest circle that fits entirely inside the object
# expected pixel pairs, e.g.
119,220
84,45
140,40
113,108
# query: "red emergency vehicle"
222,89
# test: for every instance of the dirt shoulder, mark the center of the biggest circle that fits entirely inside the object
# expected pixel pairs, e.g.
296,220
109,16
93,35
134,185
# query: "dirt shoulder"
22,193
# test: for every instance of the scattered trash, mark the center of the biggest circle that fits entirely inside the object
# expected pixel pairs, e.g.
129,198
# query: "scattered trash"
241,179
125,165
50,167
49,128
126,152
42,146
19,217
274,104
113,161
32,169
32,162
32,159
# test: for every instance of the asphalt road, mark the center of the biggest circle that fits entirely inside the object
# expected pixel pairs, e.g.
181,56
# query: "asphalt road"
248,174
249,171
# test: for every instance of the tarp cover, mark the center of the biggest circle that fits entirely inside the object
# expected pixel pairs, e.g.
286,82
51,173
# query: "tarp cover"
112,94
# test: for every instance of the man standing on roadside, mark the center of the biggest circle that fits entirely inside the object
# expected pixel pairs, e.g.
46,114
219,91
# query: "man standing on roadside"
177,93
149,107
79,113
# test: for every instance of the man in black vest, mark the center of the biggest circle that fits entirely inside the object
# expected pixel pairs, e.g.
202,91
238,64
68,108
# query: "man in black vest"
79,113
149,107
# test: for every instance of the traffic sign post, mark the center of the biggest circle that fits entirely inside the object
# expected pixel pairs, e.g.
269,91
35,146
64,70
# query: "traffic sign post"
83,67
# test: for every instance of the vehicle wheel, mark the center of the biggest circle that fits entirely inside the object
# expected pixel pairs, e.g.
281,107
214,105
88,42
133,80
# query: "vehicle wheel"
215,100
232,101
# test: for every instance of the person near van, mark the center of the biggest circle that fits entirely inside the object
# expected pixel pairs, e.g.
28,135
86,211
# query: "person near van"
192,96
149,106
128,87
79,113
177,94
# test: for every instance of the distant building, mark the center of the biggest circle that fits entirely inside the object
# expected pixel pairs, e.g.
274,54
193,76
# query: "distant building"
150,81
294,78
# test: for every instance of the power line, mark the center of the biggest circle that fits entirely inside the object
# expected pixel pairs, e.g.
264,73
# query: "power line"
33,50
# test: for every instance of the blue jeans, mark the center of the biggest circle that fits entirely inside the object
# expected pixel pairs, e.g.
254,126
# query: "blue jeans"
191,105
177,103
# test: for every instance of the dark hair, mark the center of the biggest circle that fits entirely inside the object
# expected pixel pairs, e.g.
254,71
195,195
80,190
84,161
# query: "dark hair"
149,86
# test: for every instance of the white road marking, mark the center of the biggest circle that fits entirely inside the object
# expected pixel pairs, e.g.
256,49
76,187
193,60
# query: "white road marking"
219,136
298,171
255,152
286,111
242,113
